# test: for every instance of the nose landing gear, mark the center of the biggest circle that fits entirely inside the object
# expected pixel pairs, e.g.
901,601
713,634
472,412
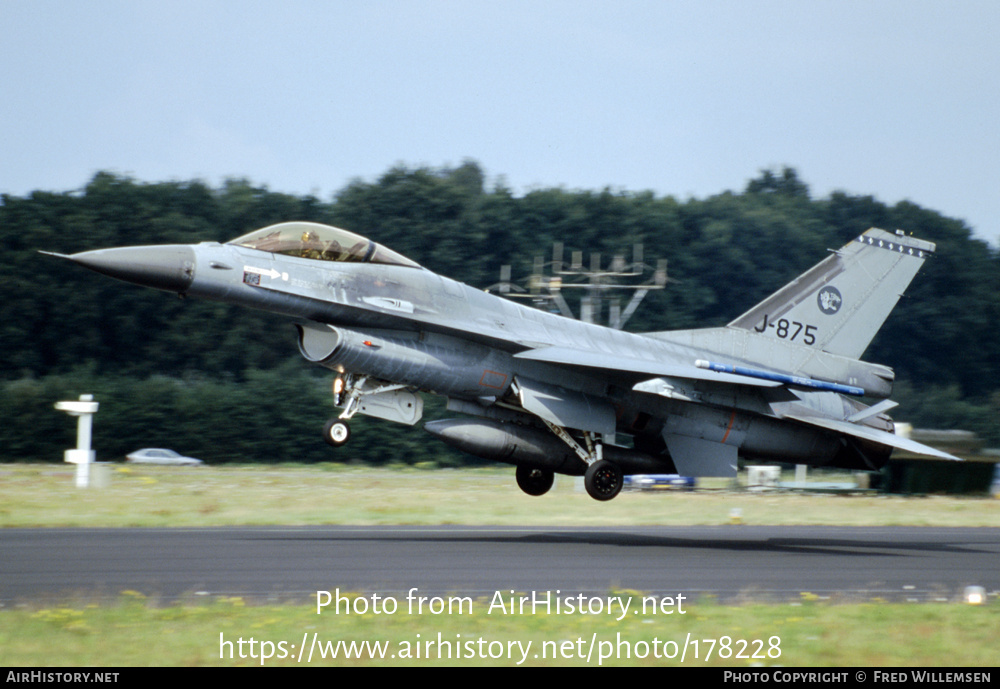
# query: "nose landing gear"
336,432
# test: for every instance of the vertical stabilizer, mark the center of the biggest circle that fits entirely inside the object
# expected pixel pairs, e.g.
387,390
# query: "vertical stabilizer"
840,304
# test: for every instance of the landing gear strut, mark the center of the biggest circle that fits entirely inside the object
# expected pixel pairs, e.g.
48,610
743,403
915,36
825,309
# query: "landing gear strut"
347,390
390,400
603,479
534,481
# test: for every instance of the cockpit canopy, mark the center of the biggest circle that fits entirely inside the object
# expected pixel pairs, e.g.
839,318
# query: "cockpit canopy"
322,242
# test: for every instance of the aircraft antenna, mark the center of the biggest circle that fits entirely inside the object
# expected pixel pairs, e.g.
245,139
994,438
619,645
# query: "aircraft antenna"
601,286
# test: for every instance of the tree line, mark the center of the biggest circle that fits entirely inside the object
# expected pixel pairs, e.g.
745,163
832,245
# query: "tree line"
219,367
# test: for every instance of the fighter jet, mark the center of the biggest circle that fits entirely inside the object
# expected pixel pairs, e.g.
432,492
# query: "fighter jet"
549,394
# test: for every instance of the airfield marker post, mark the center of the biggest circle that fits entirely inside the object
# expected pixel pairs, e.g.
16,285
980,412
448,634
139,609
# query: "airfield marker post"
82,455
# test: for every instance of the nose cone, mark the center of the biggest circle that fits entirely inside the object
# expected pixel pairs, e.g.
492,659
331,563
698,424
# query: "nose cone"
169,267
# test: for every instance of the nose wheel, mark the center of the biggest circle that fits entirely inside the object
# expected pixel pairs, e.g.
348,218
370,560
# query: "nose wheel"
336,432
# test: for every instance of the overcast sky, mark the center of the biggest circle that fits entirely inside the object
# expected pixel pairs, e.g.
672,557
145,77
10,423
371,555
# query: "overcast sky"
897,99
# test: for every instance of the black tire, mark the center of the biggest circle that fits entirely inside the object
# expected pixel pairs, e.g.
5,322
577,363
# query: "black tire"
336,432
534,481
603,480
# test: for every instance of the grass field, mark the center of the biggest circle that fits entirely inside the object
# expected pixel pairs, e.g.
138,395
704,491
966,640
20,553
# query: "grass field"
811,633
134,632
45,495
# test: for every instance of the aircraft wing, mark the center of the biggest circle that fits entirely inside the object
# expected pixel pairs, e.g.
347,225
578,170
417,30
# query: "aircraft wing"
872,434
621,364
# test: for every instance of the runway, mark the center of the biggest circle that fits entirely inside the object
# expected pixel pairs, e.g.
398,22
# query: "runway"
291,563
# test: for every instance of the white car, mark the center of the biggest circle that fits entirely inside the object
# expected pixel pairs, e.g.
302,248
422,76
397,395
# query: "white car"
155,455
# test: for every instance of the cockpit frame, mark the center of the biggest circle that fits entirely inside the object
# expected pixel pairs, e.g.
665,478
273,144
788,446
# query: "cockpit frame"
320,242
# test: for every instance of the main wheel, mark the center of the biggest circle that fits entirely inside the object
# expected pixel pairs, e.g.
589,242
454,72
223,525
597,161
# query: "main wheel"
336,432
603,480
534,481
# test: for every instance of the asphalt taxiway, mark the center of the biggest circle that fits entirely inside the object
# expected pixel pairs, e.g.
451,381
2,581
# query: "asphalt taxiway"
282,563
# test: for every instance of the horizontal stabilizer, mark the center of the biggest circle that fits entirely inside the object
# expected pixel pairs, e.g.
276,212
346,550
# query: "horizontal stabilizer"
873,434
617,363
880,408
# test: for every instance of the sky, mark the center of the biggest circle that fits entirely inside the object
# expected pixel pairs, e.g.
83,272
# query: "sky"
897,99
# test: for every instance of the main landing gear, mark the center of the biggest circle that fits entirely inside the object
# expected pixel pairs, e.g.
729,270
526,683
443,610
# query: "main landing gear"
603,480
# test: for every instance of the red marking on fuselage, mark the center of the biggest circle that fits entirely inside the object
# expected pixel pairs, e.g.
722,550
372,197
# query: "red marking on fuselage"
730,426
493,376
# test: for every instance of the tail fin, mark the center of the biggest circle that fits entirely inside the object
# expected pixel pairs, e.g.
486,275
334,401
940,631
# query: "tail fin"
841,303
